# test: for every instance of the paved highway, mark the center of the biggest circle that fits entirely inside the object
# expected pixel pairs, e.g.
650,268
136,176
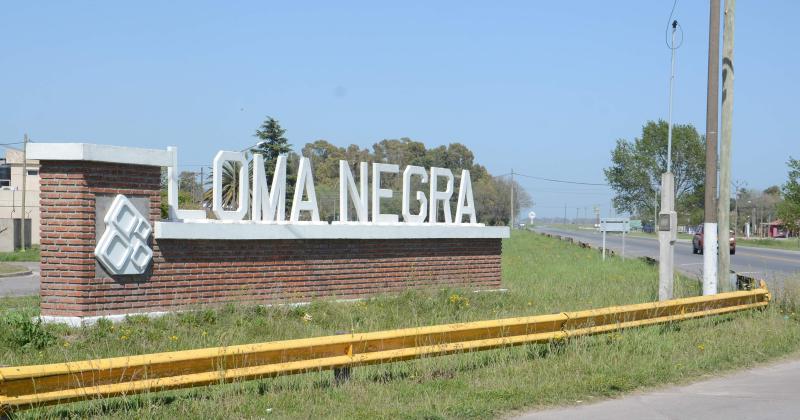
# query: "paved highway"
773,265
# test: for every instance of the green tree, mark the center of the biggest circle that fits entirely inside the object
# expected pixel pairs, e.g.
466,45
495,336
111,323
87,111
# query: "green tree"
789,208
230,186
273,143
636,168
493,200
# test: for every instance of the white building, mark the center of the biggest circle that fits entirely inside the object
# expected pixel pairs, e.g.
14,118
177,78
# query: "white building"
11,180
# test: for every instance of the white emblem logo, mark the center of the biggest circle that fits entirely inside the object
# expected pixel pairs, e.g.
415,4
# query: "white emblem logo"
123,247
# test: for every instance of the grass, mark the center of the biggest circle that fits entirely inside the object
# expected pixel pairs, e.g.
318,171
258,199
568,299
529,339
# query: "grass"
29,254
791,244
543,276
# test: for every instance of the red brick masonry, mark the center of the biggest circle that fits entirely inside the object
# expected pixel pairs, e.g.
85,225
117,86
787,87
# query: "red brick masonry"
190,273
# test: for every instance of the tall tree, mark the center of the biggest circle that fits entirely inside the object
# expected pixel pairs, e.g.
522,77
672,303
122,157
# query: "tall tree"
636,168
789,209
273,143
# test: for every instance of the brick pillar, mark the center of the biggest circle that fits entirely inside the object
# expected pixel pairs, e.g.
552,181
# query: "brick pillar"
69,189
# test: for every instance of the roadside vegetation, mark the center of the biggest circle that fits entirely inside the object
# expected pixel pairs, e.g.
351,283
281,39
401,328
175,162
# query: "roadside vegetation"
791,244
543,276
29,254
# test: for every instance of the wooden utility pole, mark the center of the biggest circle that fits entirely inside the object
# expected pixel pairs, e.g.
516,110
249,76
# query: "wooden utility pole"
724,203
712,110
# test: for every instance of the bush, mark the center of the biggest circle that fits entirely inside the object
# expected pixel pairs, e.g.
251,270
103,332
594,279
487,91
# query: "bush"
23,332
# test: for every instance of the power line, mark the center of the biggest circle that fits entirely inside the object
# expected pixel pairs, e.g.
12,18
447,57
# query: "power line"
563,181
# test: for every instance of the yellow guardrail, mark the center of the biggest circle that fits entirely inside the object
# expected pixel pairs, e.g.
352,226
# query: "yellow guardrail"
29,386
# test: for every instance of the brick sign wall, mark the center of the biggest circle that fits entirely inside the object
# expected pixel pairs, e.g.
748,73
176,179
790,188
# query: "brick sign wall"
188,273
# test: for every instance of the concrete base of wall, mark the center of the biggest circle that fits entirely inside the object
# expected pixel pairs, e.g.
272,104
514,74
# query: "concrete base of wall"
79,321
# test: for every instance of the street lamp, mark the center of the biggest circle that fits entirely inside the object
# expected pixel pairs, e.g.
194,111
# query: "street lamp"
259,144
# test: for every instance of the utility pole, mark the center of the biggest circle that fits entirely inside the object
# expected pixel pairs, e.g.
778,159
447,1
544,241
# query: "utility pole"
737,186
511,219
667,229
597,214
724,203
24,179
712,104
565,214
202,184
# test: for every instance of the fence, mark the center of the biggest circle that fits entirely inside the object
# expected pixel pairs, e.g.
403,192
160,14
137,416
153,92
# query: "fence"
29,386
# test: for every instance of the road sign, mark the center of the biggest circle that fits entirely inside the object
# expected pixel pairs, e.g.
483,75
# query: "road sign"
532,215
615,224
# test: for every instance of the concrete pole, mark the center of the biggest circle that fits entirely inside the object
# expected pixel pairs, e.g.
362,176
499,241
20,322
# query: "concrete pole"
712,109
202,184
24,187
724,203
666,239
671,84
511,218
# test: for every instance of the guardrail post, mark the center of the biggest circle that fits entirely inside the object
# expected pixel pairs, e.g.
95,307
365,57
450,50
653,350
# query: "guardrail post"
341,375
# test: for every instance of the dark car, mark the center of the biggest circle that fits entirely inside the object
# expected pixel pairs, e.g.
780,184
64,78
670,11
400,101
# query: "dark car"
697,242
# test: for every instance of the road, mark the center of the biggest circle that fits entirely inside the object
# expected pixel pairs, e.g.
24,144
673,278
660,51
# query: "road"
22,285
767,392
773,265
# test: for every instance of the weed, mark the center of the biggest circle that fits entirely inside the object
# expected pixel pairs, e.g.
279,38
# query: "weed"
24,333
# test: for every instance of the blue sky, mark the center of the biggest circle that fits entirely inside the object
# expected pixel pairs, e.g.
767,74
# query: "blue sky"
544,88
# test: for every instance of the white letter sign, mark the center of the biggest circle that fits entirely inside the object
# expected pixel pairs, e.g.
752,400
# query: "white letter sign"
243,185
443,196
347,187
305,182
269,205
423,201
465,192
378,192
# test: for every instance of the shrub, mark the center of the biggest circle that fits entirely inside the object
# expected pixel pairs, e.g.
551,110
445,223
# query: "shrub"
23,332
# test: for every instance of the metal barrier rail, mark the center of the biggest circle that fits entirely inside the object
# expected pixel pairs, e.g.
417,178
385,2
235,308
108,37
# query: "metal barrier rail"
29,386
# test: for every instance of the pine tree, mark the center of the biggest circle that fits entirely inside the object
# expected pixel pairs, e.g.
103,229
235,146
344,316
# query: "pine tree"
273,143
